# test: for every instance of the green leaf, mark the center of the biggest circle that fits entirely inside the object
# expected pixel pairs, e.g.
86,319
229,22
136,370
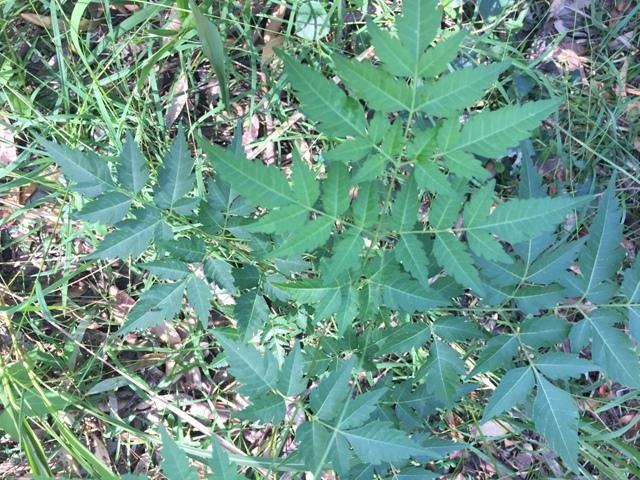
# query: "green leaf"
213,49
456,329
445,208
443,373
418,25
154,307
409,251
175,463
553,264
107,209
306,187
484,245
267,408
251,312
132,170
436,59
257,373
221,466
199,295
452,255
602,255
219,271
312,21
514,388
323,101
631,289
366,209
307,238
188,249
378,442
291,380
401,339
130,237
346,255
280,219
335,190
402,293
543,331
555,414
175,179
613,350
331,393
380,90
458,90
562,366
360,408
491,133
522,219
263,185
313,441
404,213
166,269
89,171
352,150
498,353
395,57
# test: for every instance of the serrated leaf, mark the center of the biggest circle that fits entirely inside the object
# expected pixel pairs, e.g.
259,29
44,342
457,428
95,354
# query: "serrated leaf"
346,255
283,219
514,388
107,209
166,269
602,255
436,59
213,48
380,90
484,245
219,271
155,306
555,415
291,379
307,238
263,185
631,289
453,257
351,151
306,187
251,312
373,167
401,339
130,237
175,463
365,208
313,441
132,170
323,101
523,219
404,212
429,177
188,249
199,295
491,133
89,171
395,57
418,25
456,329
221,466
445,208
543,331
553,264
378,442
562,366
175,179
257,373
458,90
335,190
360,408
331,393
613,350
443,373
409,251
498,353
405,294
267,408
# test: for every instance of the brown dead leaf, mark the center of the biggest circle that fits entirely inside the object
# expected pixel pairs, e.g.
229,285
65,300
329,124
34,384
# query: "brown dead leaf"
272,37
44,21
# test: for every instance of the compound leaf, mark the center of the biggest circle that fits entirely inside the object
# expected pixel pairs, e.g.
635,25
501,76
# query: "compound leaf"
175,179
